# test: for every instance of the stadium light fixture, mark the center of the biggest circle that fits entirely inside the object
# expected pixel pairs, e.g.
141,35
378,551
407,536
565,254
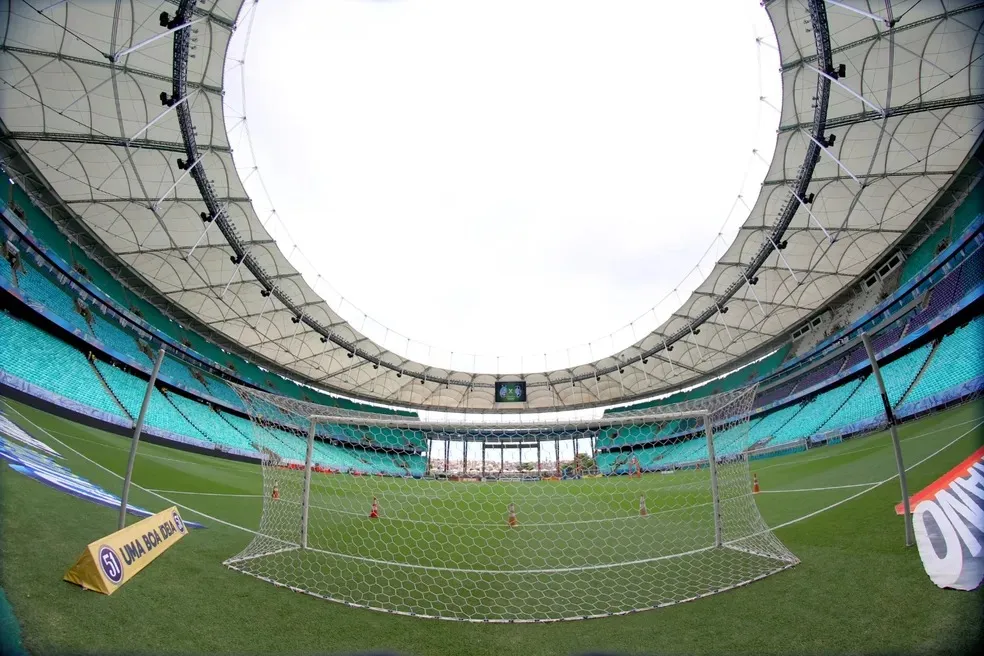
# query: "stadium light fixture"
693,336
835,78
751,283
170,103
116,56
208,224
187,168
780,247
238,261
804,204
825,147
721,312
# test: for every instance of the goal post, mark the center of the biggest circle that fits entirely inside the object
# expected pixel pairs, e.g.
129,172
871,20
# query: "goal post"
381,511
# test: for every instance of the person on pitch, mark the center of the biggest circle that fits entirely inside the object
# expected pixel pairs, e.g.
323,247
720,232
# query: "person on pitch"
512,515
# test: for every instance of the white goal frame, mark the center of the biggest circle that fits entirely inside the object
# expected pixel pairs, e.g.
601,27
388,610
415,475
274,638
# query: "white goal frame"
579,549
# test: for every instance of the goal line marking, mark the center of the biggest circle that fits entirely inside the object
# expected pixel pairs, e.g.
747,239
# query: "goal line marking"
288,543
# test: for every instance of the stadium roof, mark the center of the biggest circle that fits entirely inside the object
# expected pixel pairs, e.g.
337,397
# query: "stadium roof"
118,109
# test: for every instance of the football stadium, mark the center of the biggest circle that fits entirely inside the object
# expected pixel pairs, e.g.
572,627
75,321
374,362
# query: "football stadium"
206,450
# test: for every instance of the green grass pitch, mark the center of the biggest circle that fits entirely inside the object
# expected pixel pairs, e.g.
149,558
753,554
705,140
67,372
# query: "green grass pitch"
857,588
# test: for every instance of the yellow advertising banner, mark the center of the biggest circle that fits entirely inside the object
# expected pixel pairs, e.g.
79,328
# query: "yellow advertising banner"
108,563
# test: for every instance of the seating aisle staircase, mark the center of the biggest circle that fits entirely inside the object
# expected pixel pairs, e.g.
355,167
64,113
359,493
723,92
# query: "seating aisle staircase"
109,390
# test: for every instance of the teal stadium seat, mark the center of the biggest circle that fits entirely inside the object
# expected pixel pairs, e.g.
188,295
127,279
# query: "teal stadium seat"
957,360
130,390
210,423
38,357
866,401
814,414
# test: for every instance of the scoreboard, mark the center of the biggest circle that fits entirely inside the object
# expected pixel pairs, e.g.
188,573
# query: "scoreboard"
510,392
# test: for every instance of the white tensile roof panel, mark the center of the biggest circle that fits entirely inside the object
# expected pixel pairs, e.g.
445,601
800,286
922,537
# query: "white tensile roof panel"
904,118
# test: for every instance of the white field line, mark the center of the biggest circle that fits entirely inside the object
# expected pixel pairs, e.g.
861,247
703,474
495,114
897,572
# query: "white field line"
359,558
819,489
121,447
865,449
159,496
204,494
880,483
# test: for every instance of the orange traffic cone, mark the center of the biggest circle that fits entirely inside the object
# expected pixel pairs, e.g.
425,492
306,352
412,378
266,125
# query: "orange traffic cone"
755,483
512,515
276,492
643,511
374,511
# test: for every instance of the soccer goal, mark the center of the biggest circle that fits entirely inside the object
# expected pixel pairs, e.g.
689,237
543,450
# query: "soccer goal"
394,514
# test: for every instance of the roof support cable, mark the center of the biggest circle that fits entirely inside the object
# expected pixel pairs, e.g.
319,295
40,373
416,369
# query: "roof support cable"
831,155
669,358
804,205
168,107
52,5
693,336
208,224
836,80
239,263
873,17
266,296
187,170
783,257
115,57
298,322
724,323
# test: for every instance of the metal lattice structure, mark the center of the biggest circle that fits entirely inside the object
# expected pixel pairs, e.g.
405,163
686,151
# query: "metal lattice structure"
355,517
116,111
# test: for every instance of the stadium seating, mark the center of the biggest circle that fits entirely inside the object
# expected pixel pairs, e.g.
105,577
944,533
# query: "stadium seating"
210,423
941,296
866,401
115,337
769,424
820,373
161,414
814,414
38,357
36,286
956,360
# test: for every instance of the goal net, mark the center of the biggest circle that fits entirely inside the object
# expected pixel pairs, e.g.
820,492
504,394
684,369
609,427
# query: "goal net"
508,522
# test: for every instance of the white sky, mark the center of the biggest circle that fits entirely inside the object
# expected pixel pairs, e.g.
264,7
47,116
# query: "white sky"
503,176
